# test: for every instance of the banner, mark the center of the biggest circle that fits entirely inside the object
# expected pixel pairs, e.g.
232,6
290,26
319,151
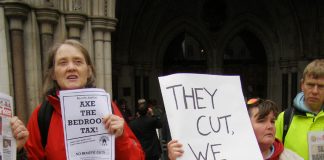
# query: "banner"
208,115
85,134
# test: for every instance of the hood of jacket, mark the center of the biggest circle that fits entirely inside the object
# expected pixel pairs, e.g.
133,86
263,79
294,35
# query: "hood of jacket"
299,103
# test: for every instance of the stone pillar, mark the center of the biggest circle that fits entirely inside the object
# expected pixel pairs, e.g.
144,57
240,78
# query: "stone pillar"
110,8
102,48
75,23
289,81
4,59
107,59
111,23
46,19
16,14
99,58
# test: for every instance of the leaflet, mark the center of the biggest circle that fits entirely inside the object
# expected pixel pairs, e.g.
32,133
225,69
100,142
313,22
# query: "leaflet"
84,132
316,145
7,141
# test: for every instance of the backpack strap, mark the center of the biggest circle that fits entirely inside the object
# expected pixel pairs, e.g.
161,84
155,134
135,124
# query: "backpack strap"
44,120
288,116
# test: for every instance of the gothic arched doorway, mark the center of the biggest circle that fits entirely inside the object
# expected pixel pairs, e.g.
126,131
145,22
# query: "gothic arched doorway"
185,54
245,56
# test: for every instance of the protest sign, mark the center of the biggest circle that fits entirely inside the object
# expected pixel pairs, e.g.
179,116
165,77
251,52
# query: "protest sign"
84,132
208,115
7,141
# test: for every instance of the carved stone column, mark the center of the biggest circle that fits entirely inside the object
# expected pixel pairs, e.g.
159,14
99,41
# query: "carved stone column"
102,46
4,56
289,81
107,59
99,27
99,59
75,23
46,18
111,23
16,14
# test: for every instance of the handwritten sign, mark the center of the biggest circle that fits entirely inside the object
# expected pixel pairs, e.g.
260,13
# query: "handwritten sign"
207,114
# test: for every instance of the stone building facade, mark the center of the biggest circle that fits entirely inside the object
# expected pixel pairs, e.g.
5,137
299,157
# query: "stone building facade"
28,28
266,42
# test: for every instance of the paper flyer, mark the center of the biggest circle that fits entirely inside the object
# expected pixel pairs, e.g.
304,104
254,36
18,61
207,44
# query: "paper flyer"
85,135
316,145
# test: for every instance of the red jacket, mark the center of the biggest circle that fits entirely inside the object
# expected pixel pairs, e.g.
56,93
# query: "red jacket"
127,147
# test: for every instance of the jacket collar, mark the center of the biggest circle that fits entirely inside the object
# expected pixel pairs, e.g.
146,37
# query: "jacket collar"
54,100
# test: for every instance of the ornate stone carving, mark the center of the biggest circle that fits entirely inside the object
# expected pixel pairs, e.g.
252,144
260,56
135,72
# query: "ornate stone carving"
106,7
76,5
104,24
16,10
46,15
75,20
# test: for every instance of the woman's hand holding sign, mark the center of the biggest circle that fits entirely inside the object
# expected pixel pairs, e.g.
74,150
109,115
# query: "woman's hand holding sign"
175,149
114,124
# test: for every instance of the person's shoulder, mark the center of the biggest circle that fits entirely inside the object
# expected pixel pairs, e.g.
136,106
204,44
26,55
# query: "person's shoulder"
281,113
35,112
280,117
289,154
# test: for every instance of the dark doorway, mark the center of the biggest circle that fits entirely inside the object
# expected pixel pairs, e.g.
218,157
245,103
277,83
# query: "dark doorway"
245,56
185,54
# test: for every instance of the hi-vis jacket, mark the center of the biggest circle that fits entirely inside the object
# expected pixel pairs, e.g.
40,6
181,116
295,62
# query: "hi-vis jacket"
302,123
127,147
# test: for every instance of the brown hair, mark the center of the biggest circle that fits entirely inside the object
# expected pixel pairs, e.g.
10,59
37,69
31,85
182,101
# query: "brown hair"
314,69
51,85
265,108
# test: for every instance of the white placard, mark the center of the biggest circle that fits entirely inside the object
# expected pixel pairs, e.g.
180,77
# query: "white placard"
8,148
84,132
208,115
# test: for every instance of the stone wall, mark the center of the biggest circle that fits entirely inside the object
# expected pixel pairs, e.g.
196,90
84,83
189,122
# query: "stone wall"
30,27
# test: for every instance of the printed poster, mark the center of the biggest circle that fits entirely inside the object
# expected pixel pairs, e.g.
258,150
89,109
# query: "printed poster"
85,135
8,147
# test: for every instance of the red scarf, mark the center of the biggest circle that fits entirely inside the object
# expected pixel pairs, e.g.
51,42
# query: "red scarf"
278,149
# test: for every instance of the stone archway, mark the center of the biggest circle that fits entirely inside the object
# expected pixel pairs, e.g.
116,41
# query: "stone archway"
245,56
175,32
184,54
249,26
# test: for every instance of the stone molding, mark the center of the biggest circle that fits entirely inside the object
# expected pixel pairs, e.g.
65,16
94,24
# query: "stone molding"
47,15
16,13
103,23
47,18
75,20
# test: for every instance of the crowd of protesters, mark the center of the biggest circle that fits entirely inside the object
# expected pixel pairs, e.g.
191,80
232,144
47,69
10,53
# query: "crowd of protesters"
139,134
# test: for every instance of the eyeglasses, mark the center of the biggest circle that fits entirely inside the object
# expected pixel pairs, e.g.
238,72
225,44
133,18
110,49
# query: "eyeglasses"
311,86
254,101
